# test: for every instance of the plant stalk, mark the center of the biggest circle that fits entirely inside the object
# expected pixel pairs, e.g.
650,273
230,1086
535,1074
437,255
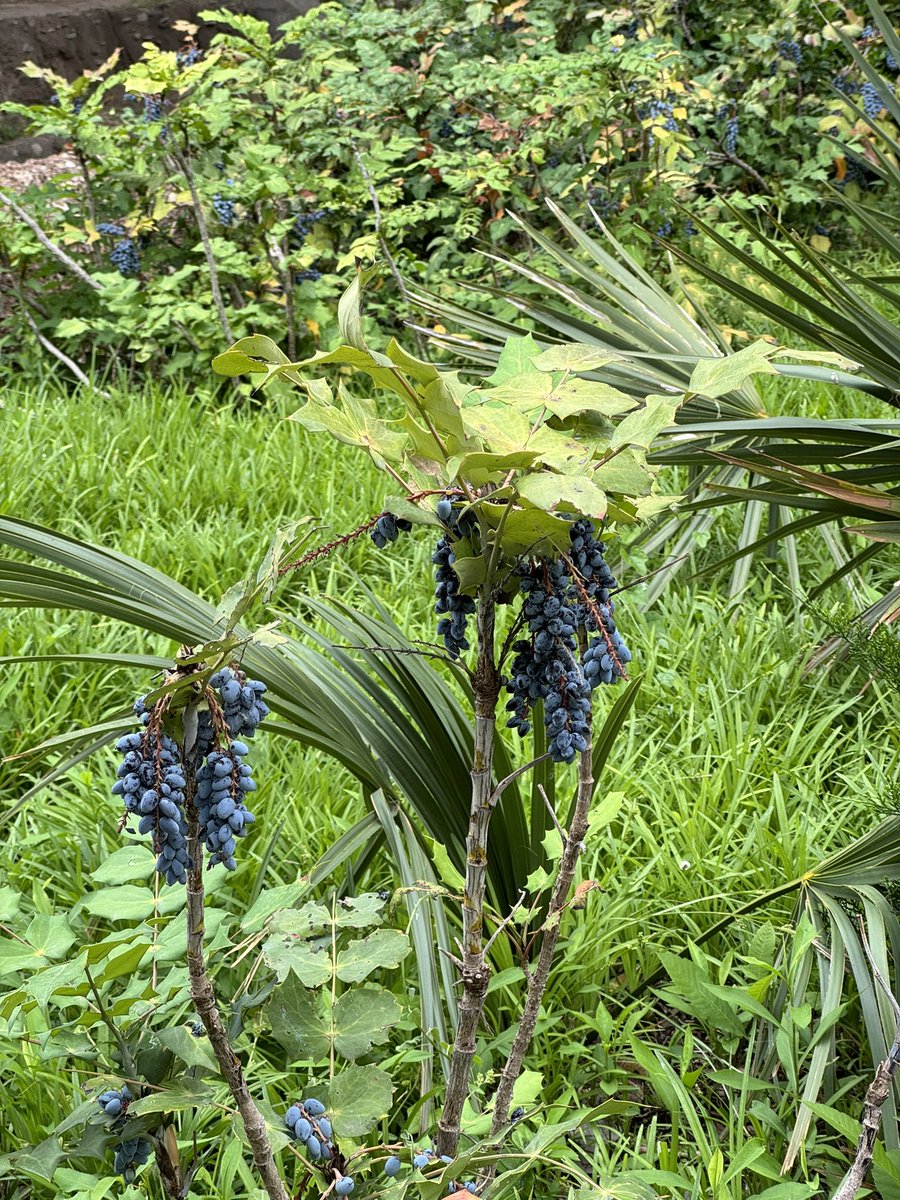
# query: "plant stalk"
537,984
183,163
475,971
204,998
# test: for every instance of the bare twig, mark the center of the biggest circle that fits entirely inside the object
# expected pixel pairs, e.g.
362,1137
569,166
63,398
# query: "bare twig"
69,263
204,998
552,811
876,1095
182,162
382,241
475,971
63,358
506,920
537,984
504,783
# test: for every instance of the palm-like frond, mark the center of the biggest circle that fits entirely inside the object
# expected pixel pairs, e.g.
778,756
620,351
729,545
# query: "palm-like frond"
389,718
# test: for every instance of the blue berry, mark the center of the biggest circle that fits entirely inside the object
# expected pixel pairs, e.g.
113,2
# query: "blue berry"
388,528
133,1152
392,1166
151,782
449,600
125,258
871,100
315,1108
224,208
421,1160
110,228
344,1186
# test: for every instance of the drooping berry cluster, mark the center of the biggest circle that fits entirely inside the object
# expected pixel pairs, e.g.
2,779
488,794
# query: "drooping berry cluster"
151,782
791,51
304,221
188,56
153,108
562,596
451,605
242,701
222,783
309,1125
125,258
310,275
871,100
224,207
132,1152
109,227
388,528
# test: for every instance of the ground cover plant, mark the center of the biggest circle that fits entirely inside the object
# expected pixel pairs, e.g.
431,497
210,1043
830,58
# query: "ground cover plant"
411,134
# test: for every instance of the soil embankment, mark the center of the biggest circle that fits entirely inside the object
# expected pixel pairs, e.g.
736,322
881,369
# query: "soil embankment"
70,36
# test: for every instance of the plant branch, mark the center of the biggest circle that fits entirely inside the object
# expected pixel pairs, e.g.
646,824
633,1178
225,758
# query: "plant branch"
574,845
475,971
504,783
63,358
204,998
69,263
183,163
876,1095
125,1053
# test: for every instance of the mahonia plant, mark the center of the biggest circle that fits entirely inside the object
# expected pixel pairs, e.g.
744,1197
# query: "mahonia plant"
518,475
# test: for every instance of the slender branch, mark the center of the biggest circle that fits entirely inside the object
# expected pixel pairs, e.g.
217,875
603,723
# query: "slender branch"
552,811
182,161
389,259
506,920
504,783
876,1095
125,1053
63,358
475,971
574,845
69,263
204,998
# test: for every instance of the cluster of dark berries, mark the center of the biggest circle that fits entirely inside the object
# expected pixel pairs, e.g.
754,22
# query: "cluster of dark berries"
732,128
125,258
603,203
153,108
242,701
133,1152
791,51
388,528
846,85
871,100
890,61
451,605
110,228
665,229
188,56
304,221
311,274
561,597
222,782
660,112
224,207
309,1125
151,782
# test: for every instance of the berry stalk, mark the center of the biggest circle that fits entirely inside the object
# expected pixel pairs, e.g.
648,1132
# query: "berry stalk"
475,971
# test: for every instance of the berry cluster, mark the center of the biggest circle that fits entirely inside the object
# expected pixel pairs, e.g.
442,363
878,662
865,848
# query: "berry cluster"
133,1152
388,528
732,128
110,228
151,781
890,61
153,107
311,274
562,596
125,258
660,109
222,782
871,100
790,50
188,56
309,1125
304,221
242,701
224,207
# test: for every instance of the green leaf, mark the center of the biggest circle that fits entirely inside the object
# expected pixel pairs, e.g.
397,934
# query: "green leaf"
627,473
383,948
535,531
297,1020
641,428
193,1051
446,871
128,862
181,1093
9,903
269,901
547,492
126,903
358,1098
362,1019
286,953
503,429
717,376
574,356
588,396
516,357
360,911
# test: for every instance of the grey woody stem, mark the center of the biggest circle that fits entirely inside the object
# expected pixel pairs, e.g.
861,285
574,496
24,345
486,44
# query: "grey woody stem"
183,162
475,971
537,983
69,263
204,999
